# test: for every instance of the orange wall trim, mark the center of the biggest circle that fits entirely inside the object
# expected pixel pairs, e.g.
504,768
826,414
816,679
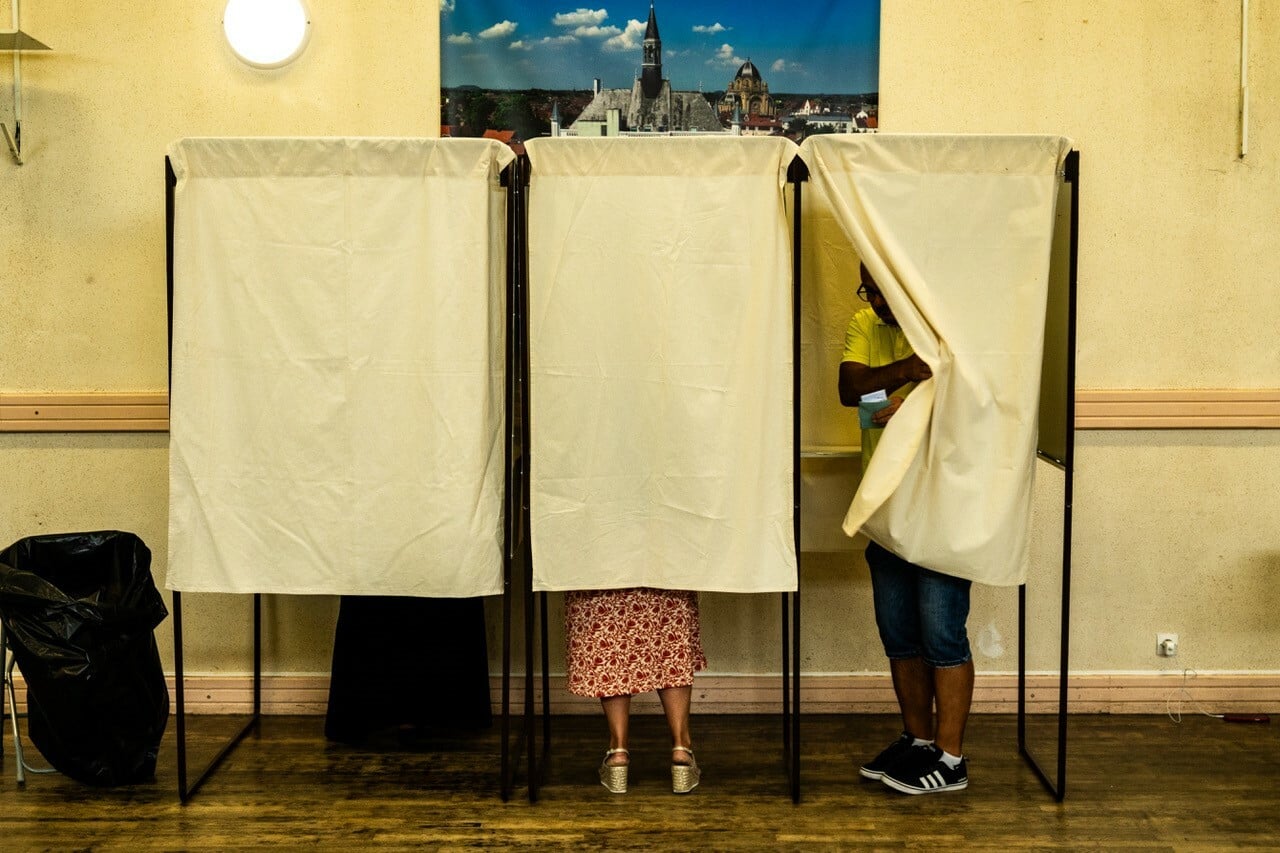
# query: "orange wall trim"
148,411
140,411
1155,693
1188,409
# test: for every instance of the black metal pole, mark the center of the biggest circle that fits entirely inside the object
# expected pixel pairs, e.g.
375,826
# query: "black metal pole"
545,764
1022,669
510,511
786,684
530,722
170,183
180,695
799,174
1072,166
257,656
522,287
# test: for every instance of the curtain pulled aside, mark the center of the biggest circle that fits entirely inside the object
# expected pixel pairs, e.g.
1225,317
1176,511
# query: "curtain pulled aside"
957,232
338,366
660,357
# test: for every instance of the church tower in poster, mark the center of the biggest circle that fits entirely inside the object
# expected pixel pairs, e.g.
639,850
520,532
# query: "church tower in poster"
650,105
651,69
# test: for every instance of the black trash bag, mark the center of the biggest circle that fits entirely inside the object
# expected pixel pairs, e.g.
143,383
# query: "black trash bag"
79,610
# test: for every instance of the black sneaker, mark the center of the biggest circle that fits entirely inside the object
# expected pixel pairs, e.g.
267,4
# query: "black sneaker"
890,755
928,775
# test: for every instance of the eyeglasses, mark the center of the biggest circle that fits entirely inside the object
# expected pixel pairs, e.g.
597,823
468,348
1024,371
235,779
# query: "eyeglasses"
865,293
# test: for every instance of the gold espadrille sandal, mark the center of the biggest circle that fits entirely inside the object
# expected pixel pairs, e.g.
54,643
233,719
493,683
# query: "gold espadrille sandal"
684,777
614,776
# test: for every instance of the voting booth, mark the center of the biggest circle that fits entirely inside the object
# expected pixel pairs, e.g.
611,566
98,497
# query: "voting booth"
663,377
339,406
404,367
972,240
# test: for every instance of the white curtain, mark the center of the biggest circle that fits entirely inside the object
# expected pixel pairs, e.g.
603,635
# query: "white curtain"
660,347
957,232
338,366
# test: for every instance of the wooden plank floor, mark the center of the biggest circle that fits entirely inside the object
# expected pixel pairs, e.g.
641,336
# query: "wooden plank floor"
1136,783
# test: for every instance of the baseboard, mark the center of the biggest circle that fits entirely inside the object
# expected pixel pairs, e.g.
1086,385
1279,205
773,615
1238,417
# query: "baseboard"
820,694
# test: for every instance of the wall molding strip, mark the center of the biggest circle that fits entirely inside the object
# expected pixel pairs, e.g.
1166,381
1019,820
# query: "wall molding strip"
1136,409
136,411
1174,409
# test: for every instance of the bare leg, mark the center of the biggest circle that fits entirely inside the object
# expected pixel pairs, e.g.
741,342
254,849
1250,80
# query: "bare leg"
675,703
913,682
953,687
617,712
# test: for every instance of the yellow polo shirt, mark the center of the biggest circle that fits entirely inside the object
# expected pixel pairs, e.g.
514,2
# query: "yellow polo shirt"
873,342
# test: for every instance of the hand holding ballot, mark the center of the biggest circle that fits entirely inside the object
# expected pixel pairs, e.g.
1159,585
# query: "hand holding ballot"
875,409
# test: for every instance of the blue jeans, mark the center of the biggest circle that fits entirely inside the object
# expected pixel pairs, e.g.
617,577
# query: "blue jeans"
920,613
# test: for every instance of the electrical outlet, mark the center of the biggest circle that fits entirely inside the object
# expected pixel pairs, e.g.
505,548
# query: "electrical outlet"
1167,645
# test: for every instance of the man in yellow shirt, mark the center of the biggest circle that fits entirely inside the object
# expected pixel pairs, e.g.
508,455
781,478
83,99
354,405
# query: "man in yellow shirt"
920,613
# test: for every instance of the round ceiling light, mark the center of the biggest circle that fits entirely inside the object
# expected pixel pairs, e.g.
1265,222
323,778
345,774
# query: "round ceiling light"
266,33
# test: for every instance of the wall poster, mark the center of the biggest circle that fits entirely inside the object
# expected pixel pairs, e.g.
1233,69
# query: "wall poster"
515,70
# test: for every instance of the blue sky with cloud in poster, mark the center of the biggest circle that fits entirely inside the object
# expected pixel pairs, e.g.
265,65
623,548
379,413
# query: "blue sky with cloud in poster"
820,47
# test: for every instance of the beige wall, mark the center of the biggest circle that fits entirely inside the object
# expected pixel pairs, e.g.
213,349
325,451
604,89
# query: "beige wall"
84,217
1175,531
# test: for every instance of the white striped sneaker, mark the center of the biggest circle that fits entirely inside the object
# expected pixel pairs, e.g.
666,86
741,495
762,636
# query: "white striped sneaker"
927,776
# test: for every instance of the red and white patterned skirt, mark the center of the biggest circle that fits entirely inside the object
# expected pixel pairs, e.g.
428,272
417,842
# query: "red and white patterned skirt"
625,641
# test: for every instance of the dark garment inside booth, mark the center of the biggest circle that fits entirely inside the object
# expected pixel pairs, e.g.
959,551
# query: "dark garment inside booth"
406,668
